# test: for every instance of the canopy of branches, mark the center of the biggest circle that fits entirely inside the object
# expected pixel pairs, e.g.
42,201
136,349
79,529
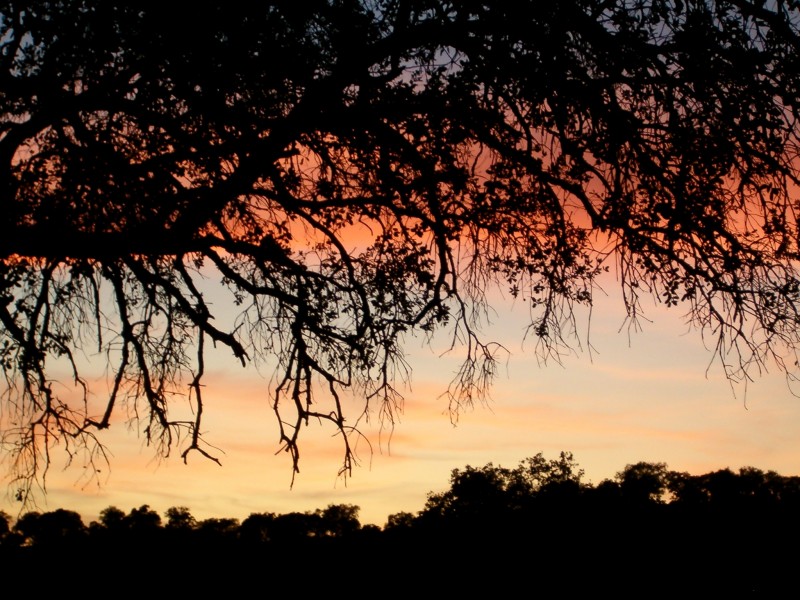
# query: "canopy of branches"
357,171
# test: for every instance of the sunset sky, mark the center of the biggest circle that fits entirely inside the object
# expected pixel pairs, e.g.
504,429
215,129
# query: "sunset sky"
650,398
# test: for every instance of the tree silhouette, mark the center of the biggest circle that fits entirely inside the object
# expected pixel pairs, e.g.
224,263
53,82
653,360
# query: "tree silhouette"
339,520
216,530
495,501
461,541
180,518
643,483
537,474
113,518
257,528
143,522
475,494
355,172
57,527
5,524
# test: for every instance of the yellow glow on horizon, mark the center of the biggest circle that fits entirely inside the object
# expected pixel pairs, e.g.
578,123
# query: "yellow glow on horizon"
650,399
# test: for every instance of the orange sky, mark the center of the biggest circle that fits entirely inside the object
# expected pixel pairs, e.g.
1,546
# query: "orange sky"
648,401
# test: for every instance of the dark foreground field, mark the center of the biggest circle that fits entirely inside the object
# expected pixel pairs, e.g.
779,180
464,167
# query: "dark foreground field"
630,557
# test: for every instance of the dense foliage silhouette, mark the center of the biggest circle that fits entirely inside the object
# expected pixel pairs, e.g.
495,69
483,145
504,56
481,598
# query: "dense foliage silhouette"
649,530
354,172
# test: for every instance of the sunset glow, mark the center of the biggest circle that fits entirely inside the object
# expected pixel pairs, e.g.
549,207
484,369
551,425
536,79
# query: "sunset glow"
649,400
292,257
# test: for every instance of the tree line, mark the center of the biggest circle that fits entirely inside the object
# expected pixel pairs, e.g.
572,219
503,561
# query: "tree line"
665,525
477,497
